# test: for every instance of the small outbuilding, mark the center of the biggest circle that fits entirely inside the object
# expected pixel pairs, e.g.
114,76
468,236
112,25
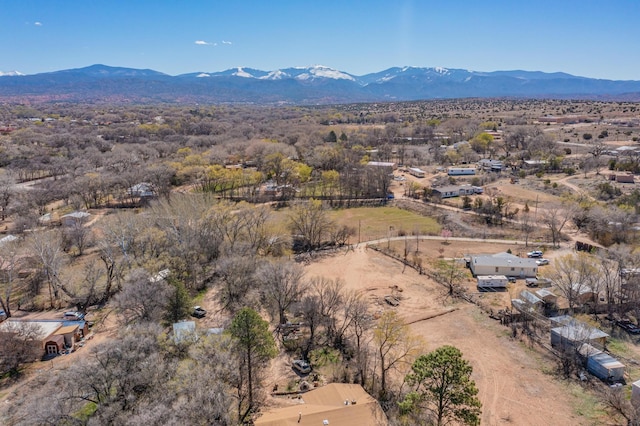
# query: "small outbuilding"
635,393
531,299
547,296
602,365
574,333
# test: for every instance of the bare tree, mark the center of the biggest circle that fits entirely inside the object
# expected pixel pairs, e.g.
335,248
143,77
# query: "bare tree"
19,344
10,262
237,283
45,249
142,298
555,217
310,223
361,322
282,284
77,235
571,275
395,346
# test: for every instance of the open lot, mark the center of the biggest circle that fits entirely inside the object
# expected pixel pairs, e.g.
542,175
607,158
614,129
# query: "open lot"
513,387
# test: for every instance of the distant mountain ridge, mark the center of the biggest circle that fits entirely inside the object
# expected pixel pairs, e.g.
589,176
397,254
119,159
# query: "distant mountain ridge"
305,85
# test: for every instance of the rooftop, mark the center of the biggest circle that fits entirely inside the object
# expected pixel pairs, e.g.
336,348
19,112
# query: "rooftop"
335,404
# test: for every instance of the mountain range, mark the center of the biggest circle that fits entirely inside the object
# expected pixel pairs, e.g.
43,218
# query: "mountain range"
304,85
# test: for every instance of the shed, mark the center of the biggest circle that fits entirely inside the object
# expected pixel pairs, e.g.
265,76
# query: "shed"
635,393
547,296
530,298
184,330
576,333
583,293
605,367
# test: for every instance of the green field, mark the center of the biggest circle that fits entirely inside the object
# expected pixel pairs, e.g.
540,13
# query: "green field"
372,223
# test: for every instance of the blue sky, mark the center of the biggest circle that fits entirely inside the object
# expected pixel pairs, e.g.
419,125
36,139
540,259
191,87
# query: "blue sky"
582,37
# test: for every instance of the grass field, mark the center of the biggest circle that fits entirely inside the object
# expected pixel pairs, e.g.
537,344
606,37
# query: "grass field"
372,223
369,223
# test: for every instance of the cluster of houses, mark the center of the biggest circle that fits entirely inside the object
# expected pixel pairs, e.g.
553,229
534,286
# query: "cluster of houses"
568,335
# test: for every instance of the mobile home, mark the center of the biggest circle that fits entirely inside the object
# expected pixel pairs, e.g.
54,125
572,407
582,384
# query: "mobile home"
461,171
414,171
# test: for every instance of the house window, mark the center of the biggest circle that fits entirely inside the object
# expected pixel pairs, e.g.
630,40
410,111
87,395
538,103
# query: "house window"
52,349
497,269
513,269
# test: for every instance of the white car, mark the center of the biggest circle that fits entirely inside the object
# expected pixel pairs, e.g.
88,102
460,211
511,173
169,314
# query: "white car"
302,366
541,262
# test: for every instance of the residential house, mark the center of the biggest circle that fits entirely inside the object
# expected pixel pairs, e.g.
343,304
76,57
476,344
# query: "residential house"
142,190
49,336
502,264
622,178
449,191
336,404
461,171
491,165
74,218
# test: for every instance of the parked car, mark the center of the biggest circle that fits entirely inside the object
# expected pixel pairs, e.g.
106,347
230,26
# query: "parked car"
628,326
531,282
512,279
198,312
535,253
542,262
3,315
73,316
301,366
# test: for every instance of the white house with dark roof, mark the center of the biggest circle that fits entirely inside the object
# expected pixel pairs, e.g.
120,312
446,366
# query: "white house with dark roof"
503,264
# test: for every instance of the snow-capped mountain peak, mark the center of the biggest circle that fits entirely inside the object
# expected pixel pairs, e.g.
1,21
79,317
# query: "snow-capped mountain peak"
242,73
320,71
11,74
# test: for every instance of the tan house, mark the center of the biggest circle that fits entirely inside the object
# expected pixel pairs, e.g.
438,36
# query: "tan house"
50,337
337,404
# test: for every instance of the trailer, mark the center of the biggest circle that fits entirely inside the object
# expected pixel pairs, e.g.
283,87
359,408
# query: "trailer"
414,171
461,171
492,281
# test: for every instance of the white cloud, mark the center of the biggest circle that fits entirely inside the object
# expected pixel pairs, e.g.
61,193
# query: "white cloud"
202,43
37,24
226,42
